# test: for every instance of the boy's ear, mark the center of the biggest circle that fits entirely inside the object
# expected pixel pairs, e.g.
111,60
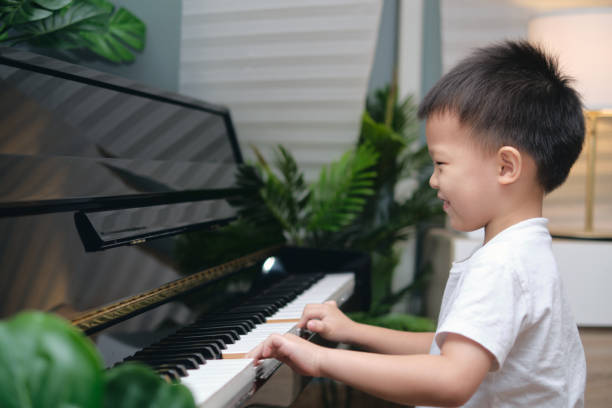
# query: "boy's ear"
509,164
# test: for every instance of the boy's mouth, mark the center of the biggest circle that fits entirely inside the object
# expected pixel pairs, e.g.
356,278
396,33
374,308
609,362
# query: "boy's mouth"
445,203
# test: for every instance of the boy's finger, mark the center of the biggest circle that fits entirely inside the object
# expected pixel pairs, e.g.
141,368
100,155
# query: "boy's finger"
316,326
311,311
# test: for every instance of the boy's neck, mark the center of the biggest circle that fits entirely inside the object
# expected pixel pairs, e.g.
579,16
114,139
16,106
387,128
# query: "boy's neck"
513,213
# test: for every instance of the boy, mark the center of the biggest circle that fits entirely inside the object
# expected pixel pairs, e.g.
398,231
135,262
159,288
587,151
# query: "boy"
503,128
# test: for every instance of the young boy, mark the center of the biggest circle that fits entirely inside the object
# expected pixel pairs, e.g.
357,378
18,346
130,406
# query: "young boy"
503,129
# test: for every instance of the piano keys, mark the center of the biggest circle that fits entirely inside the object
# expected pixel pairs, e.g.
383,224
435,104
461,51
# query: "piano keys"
111,194
229,381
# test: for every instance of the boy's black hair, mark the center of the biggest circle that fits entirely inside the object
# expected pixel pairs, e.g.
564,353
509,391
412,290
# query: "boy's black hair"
513,94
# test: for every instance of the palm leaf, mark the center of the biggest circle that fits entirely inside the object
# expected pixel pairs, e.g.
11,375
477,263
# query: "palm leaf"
339,194
249,204
271,198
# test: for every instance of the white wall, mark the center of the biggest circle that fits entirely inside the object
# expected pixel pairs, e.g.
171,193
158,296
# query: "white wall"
291,72
584,267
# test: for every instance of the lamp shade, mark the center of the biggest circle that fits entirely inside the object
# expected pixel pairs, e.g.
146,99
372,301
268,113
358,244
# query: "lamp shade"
582,39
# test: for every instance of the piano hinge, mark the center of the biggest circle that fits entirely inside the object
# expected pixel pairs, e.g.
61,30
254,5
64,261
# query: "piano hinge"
97,319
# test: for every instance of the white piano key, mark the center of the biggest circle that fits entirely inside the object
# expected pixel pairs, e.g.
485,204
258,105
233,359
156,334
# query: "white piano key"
221,383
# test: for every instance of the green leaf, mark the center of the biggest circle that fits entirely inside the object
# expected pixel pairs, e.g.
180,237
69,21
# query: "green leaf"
62,28
132,385
396,321
276,195
112,39
92,24
128,28
21,11
337,196
46,362
53,4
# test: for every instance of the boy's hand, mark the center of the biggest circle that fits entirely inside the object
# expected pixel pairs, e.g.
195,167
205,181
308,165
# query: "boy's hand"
328,321
299,354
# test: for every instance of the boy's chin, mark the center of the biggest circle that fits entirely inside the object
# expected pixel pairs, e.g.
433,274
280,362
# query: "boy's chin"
469,229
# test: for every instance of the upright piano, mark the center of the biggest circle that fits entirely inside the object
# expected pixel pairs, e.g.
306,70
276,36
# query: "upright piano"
112,196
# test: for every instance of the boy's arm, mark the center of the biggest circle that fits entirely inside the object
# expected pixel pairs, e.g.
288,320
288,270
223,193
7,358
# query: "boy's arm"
448,379
327,320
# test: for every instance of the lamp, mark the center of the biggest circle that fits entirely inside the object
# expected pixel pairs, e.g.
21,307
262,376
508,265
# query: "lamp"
580,38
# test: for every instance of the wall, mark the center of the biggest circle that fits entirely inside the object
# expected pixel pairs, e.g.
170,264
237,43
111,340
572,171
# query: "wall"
158,64
292,73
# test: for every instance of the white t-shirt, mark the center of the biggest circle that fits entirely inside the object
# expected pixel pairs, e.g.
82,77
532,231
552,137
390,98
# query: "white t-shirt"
508,297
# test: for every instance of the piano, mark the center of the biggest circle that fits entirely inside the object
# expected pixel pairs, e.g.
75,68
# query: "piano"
113,199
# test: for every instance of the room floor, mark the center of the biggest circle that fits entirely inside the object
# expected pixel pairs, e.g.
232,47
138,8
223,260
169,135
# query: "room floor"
598,349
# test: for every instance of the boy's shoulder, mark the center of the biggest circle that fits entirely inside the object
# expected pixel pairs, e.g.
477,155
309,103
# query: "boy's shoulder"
520,239
522,253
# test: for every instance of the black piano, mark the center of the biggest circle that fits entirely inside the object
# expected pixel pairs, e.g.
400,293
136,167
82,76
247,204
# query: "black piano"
112,196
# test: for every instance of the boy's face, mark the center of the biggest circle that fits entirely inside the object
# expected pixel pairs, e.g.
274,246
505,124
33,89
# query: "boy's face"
464,173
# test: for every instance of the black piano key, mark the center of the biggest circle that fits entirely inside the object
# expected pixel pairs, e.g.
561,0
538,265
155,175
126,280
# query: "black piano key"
234,334
247,323
257,318
265,310
186,362
273,305
220,340
170,374
167,354
277,300
209,352
179,369
237,327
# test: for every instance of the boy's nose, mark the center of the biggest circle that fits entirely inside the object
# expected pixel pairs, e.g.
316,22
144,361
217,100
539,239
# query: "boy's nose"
433,181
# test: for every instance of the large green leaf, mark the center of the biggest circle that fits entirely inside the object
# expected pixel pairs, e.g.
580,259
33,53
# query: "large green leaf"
132,385
92,24
61,29
46,362
111,40
24,11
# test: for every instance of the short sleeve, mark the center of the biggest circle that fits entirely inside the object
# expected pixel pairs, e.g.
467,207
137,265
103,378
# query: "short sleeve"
489,308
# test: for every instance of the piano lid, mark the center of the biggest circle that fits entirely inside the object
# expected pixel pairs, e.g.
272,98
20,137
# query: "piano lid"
76,139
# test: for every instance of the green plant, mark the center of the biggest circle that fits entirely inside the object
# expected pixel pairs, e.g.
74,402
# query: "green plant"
391,127
46,362
354,203
67,25
306,214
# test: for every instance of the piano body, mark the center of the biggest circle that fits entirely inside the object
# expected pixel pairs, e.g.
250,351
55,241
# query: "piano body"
109,192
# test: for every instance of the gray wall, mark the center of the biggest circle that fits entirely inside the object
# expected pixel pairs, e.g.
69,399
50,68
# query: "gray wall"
158,64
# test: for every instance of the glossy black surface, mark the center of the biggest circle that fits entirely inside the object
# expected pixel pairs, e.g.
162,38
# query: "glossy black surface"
91,164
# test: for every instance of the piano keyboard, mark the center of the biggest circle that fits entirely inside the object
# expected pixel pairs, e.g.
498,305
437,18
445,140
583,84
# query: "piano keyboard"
209,357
